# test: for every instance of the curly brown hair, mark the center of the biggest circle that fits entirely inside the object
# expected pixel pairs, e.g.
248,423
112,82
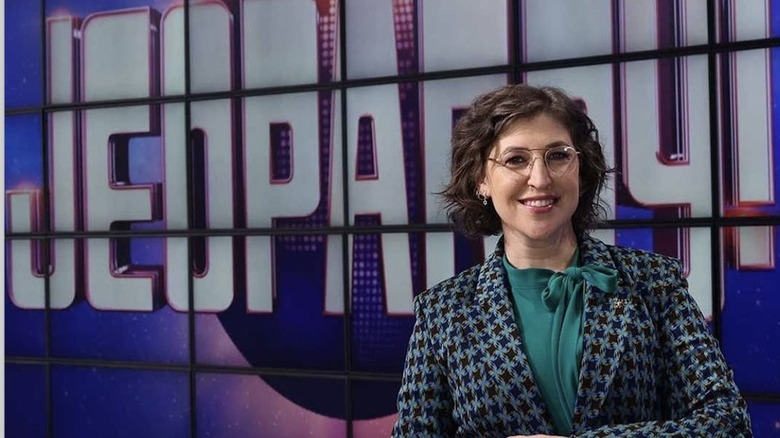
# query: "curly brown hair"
478,130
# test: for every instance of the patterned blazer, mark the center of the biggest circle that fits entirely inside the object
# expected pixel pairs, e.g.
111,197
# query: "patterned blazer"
650,366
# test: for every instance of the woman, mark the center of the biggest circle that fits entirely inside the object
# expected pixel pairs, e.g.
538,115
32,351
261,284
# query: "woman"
556,333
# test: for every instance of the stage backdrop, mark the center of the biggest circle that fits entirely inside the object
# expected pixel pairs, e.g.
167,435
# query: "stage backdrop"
217,213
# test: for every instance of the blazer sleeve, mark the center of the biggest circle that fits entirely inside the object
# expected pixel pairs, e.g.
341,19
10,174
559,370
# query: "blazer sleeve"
697,390
424,401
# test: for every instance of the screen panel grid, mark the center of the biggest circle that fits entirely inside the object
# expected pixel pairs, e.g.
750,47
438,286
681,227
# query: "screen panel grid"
26,390
236,216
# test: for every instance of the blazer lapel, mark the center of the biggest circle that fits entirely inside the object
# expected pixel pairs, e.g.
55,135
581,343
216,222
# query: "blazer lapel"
517,395
604,336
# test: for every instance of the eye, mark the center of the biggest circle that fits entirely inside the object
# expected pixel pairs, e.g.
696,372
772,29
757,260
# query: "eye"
516,160
562,154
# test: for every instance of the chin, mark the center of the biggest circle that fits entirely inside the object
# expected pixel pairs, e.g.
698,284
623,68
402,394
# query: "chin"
544,233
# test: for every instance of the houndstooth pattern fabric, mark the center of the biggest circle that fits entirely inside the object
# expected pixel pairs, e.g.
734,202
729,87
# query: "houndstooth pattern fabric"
650,366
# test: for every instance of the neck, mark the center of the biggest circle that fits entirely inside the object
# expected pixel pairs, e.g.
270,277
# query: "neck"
554,253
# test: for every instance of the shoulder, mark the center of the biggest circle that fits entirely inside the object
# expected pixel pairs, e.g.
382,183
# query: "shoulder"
631,258
455,288
636,265
449,296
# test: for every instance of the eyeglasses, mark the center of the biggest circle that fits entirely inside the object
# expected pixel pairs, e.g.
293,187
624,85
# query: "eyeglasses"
558,159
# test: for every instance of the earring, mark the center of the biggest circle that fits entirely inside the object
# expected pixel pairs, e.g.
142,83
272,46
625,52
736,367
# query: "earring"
481,197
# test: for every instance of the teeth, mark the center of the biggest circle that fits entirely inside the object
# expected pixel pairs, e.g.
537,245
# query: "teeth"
539,202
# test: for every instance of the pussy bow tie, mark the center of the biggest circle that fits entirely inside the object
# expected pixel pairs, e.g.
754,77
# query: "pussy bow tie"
562,285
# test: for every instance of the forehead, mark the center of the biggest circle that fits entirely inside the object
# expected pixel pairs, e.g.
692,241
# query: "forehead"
541,131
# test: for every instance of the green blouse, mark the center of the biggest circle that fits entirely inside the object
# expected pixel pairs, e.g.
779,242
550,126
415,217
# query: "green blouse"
549,308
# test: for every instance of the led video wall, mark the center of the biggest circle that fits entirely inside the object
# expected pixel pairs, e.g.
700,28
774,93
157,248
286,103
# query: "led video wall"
217,213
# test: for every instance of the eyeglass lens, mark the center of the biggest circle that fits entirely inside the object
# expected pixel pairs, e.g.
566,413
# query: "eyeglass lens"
558,160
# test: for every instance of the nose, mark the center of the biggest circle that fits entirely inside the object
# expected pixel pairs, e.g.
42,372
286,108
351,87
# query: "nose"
539,175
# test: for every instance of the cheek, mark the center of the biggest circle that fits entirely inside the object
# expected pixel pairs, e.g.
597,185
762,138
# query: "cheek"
580,182
506,189
492,186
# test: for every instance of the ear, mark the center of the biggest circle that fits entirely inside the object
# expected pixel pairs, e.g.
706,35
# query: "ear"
483,187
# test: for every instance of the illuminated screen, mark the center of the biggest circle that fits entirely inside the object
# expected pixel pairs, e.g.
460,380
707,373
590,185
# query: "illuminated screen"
218,213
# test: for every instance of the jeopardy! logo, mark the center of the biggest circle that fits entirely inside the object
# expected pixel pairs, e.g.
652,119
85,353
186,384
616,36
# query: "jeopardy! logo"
256,162
276,160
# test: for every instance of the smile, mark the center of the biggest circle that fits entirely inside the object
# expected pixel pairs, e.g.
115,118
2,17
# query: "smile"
546,202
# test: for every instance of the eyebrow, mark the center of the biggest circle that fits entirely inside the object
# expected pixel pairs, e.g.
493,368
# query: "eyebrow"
523,148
